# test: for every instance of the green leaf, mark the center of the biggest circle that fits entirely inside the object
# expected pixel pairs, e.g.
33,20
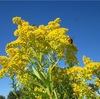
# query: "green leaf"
41,94
55,94
40,85
49,84
36,73
45,62
14,93
39,75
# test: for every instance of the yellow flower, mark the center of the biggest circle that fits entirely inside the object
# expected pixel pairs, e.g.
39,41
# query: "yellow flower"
86,60
16,20
97,81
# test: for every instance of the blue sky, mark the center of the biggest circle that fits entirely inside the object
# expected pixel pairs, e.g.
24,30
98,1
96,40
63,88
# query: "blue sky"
86,30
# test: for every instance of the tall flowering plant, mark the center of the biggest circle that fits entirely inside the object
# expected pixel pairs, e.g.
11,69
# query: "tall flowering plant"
33,60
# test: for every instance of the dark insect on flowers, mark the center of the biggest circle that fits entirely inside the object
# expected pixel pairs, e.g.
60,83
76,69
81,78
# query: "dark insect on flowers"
33,24
71,40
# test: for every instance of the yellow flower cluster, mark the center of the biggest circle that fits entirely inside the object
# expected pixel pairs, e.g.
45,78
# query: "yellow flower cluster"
91,68
35,44
75,72
39,90
24,78
78,77
86,60
77,89
45,39
57,75
32,40
12,52
4,63
19,22
97,80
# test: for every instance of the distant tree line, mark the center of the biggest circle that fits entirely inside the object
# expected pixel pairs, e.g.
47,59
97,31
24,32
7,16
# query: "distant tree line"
12,95
2,97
